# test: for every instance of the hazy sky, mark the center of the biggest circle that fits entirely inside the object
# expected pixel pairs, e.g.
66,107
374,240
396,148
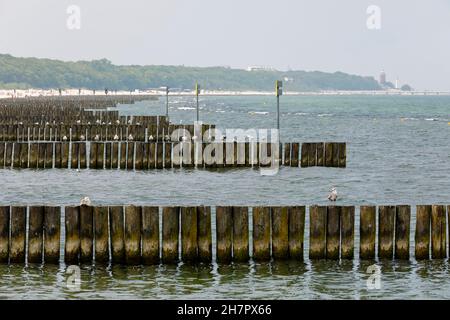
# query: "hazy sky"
327,35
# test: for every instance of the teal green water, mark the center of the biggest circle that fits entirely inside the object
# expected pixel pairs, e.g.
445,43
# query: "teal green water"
398,152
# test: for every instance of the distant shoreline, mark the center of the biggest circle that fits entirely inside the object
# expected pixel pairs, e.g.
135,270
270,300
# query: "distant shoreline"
155,92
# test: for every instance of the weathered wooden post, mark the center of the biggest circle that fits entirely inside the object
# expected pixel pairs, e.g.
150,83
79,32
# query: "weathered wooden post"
72,243
367,232
86,234
438,232
402,227
386,227
101,234
189,247
170,226
320,154
35,234
342,154
328,154
304,162
318,231
117,230
133,223
52,231
347,232
296,232
261,233
224,229
4,234
240,234
150,235
204,234
280,232
18,229
333,232
294,154
422,236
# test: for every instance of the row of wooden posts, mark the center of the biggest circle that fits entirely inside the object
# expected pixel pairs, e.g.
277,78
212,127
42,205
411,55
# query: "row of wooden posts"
149,234
158,155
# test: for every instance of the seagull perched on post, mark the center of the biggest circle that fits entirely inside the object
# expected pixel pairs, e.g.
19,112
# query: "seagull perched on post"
97,137
85,201
333,194
116,137
64,138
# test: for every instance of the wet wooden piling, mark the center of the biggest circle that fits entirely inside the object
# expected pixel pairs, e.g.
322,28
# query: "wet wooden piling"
438,232
386,227
333,232
347,232
4,234
335,155
168,155
287,154
101,234
304,155
49,155
150,235
115,155
52,227
402,228
320,150
74,155
72,242
100,155
189,247
93,155
123,155
130,155
204,234
65,155
224,231
312,155
170,231
159,155
133,222
35,234
17,239
117,230
280,232
318,231
367,232
296,232
294,154
422,234
342,154
86,234
240,234
261,233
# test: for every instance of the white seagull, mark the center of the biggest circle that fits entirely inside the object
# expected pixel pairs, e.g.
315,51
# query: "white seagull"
333,194
85,201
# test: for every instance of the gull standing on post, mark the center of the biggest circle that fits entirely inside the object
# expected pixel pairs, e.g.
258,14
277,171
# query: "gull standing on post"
333,194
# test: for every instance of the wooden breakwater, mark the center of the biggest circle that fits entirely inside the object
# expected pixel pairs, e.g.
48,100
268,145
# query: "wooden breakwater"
159,155
150,235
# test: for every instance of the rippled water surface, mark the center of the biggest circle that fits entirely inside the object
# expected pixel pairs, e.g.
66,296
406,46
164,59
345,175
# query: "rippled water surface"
398,151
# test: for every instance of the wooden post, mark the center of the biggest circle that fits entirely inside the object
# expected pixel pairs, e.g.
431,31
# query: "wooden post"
204,234
159,155
312,155
2,153
333,232
280,232
35,234
335,154
386,227
151,155
150,235
261,233
287,154
24,155
52,231
438,232
107,155
130,155
240,234
367,232
139,146
320,154
342,154
328,154
305,153
74,153
167,155
41,159
64,155
93,156
123,155
4,234
189,246
18,229
318,231
115,155
58,155
100,155
170,220
224,229
422,238
101,234
16,155
133,223
86,233
72,243
347,232
296,232
116,219
34,154
49,155
294,154
402,227
8,154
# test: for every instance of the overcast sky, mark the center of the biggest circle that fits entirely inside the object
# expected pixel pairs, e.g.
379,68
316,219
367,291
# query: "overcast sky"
328,35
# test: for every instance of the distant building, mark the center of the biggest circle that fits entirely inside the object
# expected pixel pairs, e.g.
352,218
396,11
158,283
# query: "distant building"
260,68
383,78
